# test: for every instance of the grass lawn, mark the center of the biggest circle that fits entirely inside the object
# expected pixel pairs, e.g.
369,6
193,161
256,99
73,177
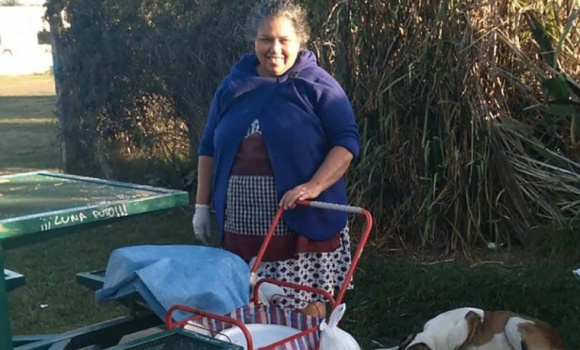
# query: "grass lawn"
28,127
394,293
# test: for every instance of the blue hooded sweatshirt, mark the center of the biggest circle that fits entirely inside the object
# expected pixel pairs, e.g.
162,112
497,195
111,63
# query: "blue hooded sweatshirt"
303,114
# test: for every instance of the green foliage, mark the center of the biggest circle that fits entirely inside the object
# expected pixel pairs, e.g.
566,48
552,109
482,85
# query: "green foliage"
134,78
468,112
9,3
439,87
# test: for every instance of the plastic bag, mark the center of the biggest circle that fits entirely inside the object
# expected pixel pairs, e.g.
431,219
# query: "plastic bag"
334,338
266,291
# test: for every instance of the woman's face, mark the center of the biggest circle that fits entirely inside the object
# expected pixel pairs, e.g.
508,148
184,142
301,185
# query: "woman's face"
277,46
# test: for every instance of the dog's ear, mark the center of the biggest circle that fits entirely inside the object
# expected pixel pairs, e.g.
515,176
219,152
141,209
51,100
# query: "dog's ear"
473,322
406,341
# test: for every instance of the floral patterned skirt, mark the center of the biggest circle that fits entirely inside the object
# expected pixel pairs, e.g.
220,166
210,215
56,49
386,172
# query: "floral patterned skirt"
250,207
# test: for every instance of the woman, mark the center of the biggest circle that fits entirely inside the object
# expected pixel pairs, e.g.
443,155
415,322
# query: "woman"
280,129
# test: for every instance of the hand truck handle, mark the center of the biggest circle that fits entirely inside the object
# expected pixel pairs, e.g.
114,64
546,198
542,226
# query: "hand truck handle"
331,206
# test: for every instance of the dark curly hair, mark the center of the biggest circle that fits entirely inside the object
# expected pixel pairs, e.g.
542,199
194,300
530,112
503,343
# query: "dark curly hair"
278,8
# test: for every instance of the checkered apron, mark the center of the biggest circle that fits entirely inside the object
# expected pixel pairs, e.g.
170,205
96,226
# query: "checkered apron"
251,204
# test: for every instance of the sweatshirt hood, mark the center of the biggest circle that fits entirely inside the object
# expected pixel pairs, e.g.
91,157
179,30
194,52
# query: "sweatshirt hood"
244,75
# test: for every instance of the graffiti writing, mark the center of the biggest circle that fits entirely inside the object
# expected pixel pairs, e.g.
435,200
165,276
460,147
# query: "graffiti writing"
71,219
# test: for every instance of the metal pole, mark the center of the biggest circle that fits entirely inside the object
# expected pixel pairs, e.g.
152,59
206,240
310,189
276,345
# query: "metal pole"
5,329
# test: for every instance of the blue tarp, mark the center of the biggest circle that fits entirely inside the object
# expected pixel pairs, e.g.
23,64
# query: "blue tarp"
206,278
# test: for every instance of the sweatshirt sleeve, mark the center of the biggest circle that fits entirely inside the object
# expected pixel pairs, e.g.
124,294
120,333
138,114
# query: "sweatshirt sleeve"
206,144
337,116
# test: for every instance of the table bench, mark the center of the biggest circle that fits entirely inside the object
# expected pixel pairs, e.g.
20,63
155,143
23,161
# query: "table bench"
40,206
104,334
94,281
167,339
13,280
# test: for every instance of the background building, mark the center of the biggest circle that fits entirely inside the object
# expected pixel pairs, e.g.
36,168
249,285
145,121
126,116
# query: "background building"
24,39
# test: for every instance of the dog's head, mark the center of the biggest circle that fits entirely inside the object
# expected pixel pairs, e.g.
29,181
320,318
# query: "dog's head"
405,344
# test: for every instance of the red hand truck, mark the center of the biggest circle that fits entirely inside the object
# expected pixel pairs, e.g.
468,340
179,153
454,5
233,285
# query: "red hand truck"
306,335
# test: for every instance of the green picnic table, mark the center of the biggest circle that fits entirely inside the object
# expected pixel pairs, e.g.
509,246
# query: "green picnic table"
42,205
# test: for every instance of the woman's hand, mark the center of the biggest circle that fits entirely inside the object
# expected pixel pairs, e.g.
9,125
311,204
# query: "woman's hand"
301,192
331,170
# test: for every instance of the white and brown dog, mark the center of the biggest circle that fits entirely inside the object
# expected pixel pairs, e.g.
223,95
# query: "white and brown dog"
475,329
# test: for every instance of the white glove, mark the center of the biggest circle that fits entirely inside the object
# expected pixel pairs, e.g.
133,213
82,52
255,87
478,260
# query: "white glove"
201,223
